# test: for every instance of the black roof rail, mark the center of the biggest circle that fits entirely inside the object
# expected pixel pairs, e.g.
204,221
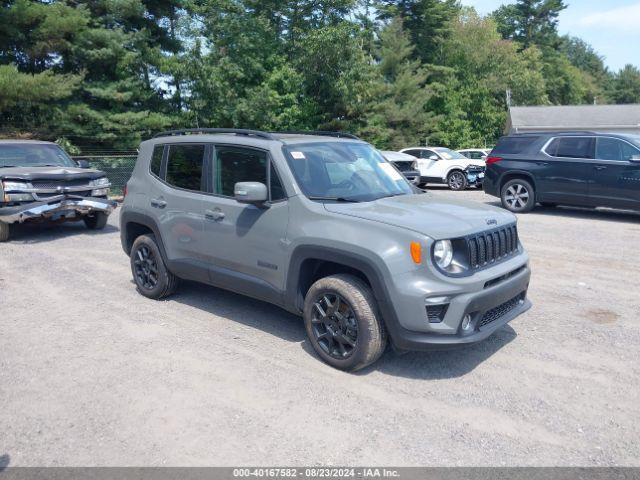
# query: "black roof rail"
557,132
237,131
321,133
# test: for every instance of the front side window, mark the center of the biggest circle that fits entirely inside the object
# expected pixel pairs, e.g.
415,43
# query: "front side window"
571,147
614,149
33,155
237,164
344,171
184,166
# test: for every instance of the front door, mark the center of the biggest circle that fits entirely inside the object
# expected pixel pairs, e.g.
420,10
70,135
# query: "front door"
246,244
562,170
615,180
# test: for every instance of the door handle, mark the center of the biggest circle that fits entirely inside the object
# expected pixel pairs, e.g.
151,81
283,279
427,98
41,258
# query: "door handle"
543,164
158,203
214,215
600,168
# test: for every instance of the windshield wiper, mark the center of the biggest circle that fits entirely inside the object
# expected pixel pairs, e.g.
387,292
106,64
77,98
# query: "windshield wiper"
336,199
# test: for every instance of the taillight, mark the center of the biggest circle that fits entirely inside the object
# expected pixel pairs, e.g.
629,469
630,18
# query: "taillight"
491,160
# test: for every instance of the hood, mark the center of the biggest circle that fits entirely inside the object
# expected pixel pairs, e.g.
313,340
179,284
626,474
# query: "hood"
437,218
49,173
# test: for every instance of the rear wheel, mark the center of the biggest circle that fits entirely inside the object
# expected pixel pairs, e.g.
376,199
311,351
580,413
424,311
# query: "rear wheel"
151,275
343,323
457,180
5,231
518,196
96,220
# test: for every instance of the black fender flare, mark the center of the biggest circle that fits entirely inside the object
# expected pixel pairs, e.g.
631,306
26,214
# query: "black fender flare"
141,219
359,262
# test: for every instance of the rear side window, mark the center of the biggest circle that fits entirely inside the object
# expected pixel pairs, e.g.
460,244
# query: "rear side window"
571,147
614,149
156,160
513,145
184,166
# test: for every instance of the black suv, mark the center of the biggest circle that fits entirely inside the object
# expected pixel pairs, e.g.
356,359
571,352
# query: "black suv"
569,168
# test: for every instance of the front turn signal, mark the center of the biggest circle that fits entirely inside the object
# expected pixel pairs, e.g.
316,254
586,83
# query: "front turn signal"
416,252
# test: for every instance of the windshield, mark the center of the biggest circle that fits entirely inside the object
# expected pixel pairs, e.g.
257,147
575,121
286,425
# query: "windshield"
33,155
448,154
344,171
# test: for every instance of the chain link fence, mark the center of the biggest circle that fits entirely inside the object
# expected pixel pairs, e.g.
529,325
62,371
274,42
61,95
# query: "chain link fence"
117,167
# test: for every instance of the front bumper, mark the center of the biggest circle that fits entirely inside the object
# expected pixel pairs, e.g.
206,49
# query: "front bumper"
63,206
412,175
490,308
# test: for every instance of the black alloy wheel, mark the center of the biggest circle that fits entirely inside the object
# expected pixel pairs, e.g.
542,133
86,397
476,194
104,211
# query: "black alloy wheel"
146,268
334,326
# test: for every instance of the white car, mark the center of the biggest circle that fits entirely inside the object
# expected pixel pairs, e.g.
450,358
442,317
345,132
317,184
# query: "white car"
442,165
476,153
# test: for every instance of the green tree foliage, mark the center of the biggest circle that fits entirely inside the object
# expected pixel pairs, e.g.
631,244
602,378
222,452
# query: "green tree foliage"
625,87
397,113
108,73
483,67
427,21
530,22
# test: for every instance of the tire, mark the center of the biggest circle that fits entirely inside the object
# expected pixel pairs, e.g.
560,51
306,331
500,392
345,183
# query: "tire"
5,231
457,180
96,220
332,336
518,196
150,274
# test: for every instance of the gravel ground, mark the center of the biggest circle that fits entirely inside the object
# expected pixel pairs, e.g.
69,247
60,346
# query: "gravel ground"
92,373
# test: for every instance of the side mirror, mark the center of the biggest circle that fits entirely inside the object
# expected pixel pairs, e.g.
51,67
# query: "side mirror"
83,164
434,157
635,159
254,193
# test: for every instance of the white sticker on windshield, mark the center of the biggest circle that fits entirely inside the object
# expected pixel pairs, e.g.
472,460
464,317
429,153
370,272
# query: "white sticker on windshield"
298,155
389,170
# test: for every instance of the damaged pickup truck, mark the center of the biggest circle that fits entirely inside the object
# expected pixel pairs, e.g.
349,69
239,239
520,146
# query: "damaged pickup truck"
40,182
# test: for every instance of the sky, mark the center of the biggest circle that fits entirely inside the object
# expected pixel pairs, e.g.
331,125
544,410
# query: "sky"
612,27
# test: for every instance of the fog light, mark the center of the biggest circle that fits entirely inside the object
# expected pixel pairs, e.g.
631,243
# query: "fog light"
466,322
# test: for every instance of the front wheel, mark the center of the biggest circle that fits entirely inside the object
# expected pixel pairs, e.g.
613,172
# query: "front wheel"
457,180
518,196
96,220
5,231
343,323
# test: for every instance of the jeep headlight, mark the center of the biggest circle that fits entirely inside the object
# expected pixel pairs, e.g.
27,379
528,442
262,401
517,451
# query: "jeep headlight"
443,253
13,186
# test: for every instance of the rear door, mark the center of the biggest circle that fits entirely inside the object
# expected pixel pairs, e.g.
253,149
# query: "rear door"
563,170
177,201
615,171
246,243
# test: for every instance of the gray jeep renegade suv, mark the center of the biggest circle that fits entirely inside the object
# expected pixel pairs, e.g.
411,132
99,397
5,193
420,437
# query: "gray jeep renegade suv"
322,226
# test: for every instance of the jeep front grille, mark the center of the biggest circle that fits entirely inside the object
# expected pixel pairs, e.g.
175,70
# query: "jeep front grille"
492,246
